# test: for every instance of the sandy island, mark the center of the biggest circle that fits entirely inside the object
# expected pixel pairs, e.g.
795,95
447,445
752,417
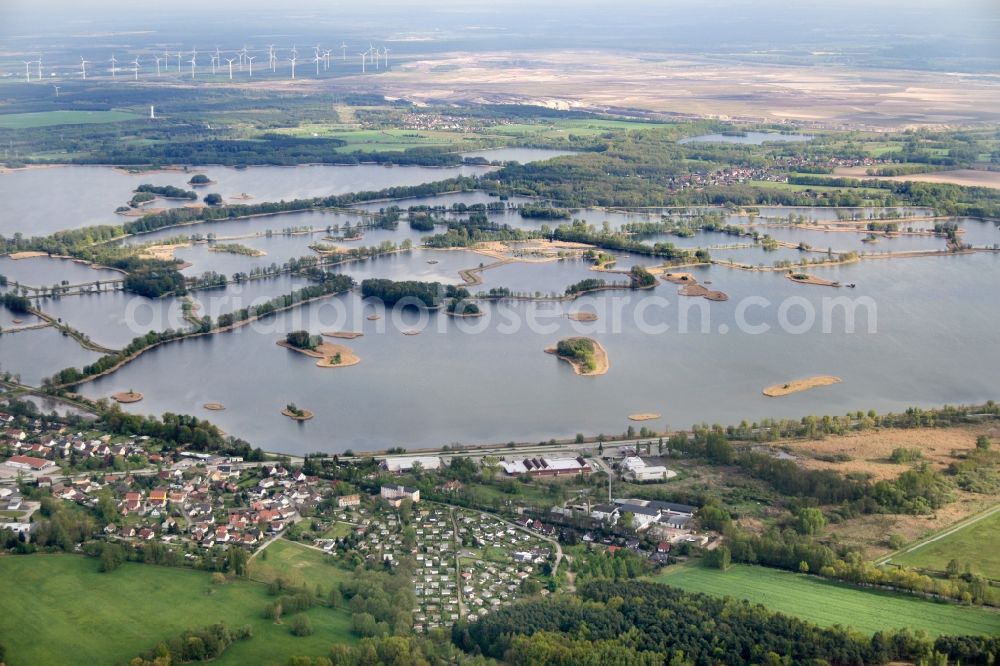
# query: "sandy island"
412,331
643,416
679,278
325,353
162,252
798,385
346,335
704,292
805,278
305,416
373,317
214,406
127,396
600,359
26,255
582,316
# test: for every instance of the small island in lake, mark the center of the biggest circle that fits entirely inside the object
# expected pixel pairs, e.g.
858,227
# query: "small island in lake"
346,335
126,397
330,355
586,355
200,180
214,406
582,316
805,278
643,416
296,413
798,385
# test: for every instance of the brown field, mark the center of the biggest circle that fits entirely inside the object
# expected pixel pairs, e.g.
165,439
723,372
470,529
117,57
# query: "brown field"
696,86
870,451
967,177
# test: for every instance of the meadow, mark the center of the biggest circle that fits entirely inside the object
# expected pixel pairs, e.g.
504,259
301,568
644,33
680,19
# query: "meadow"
828,603
64,611
977,545
50,118
297,564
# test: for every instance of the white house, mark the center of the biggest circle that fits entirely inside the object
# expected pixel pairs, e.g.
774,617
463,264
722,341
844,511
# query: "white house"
401,464
637,469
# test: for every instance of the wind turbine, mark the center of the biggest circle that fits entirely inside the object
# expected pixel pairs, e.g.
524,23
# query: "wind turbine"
292,60
193,61
157,65
363,56
250,63
326,58
57,91
39,62
212,58
316,60
178,60
135,68
114,62
27,69
343,51
272,60
230,61
83,66
385,52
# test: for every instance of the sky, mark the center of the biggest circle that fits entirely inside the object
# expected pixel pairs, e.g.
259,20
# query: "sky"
912,33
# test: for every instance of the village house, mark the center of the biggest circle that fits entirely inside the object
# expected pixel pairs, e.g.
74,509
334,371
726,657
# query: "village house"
345,501
395,494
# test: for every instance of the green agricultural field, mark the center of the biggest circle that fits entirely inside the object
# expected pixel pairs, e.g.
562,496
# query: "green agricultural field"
298,564
64,611
828,603
49,118
977,545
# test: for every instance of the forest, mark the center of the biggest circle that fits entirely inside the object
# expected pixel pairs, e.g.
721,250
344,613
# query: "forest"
426,294
633,622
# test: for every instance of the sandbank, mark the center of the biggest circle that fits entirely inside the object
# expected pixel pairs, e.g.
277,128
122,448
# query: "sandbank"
582,316
214,406
346,335
798,385
373,317
643,416
127,396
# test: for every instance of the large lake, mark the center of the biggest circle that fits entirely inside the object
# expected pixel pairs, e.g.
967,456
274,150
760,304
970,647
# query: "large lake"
487,379
456,383
40,201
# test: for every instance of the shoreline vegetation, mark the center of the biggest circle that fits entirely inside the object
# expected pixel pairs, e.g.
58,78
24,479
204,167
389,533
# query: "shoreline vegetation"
333,286
586,355
799,385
